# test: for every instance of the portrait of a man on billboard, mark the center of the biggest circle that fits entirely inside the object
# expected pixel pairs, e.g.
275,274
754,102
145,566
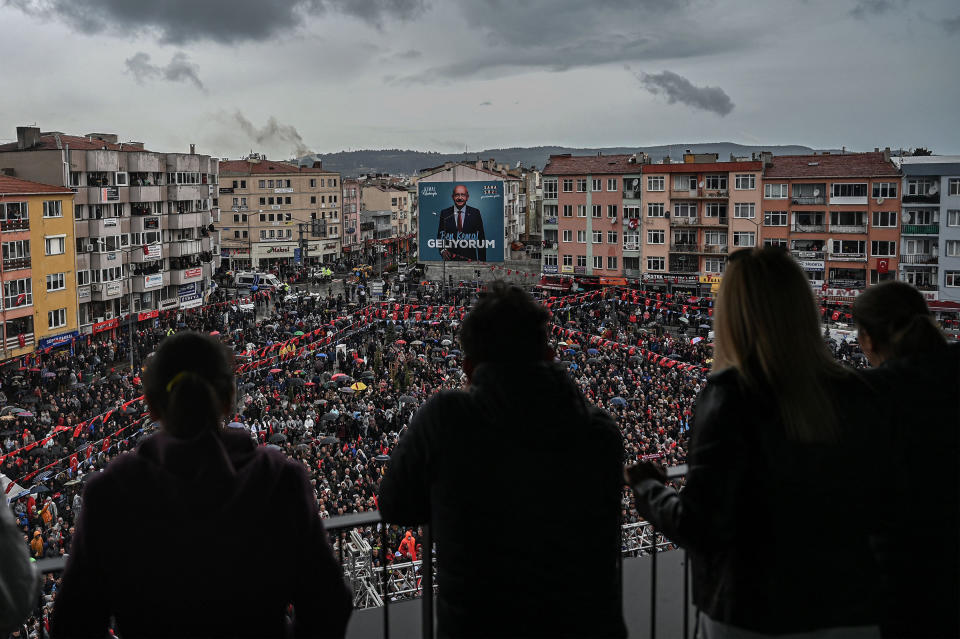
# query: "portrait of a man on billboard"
470,228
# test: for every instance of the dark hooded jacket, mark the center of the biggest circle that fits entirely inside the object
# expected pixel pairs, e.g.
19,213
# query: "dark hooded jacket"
522,482
203,537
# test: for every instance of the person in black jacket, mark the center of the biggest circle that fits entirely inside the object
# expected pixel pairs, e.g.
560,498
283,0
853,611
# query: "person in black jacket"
777,503
197,500
523,550
917,377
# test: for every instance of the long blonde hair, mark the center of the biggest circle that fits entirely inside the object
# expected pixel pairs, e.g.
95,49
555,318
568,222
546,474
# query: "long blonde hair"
766,327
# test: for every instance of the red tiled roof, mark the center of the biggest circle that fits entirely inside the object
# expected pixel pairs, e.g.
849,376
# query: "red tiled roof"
831,166
590,165
75,142
702,167
11,185
264,167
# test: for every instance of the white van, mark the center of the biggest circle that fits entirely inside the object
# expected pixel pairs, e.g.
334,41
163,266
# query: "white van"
263,281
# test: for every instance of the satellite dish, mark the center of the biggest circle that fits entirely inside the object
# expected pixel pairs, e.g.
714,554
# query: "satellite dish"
701,184
933,189
816,192
905,217
879,200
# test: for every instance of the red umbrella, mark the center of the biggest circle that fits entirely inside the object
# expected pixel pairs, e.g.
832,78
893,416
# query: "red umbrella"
400,341
337,376
310,384
214,332
275,370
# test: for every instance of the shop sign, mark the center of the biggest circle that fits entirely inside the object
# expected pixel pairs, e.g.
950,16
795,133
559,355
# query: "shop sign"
566,268
166,305
113,288
83,292
193,272
147,315
99,327
191,301
57,340
153,280
186,289
549,268
711,279
283,190
580,270
811,265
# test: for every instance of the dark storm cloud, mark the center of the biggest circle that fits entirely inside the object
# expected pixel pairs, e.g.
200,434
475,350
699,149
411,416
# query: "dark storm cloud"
677,88
179,69
952,25
410,54
224,21
486,103
272,133
869,8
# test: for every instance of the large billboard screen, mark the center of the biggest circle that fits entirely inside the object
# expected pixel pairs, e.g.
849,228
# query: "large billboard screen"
460,221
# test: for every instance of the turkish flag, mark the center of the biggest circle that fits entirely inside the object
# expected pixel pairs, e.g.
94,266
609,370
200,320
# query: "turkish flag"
883,266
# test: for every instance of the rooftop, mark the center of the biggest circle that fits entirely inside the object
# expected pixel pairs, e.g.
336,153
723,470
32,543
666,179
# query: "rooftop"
265,167
834,165
702,167
15,186
55,140
567,164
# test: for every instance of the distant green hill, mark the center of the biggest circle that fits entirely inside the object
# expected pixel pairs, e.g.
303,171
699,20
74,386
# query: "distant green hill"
404,162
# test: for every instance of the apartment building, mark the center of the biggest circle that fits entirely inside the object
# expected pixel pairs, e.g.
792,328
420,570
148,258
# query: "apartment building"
583,216
350,242
838,214
39,305
279,213
930,225
142,221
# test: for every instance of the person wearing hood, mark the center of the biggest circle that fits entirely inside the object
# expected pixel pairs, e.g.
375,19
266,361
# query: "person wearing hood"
488,453
233,491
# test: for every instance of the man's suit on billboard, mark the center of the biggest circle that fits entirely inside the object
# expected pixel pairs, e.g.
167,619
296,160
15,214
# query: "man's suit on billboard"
472,229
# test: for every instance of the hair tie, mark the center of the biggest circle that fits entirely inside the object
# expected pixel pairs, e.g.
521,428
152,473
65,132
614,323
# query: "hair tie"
176,379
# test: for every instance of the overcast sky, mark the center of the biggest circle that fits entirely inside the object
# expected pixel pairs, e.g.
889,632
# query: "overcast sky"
444,75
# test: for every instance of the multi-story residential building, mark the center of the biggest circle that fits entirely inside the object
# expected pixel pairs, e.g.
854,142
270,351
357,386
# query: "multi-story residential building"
838,214
278,213
38,271
143,230
930,225
387,195
351,220
530,205
583,221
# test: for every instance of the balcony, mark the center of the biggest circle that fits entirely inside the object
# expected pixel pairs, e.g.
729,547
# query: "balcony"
12,343
928,198
83,261
150,282
847,257
187,247
808,228
715,249
108,226
108,259
685,194
918,258
859,200
804,200
103,291
846,283
144,193
631,246
632,272
708,220
187,275
182,220
808,255
684,221
920,229
848,228
552,220
683,248
10,226
16,263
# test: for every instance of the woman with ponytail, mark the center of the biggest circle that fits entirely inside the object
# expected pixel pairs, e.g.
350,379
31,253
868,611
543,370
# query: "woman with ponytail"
190,534
917,378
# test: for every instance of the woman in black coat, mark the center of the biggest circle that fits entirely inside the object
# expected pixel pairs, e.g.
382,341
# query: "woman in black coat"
776,505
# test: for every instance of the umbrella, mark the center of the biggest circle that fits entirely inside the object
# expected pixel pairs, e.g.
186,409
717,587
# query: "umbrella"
573,345
592,351
416,342
407,399
358,386
401,342
573,366
618,401
329,417
20,495
45,475
236,425
214,332
347,390
30,399
72,482
275,370
326,441
322,355
297,333
277,438
705,326
24,413
48,375
338,376
368,375
446,342
329,385
310,384
10,410
382,458
7,418
274,447
38,489
593,360
569,351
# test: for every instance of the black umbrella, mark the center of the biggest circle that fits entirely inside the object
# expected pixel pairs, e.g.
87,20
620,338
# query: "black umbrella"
329,417
407,399
30,399
277,438
382,458
329,440
593,360
368,375
39,489
331,385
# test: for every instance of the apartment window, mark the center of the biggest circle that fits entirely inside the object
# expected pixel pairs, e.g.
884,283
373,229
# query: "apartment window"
597,210
684,182
313,183
631,241
262,184
236,234
745,181
744,210
598,237
847,218
656,236
774,218
685,209
714,264
57,318
655,209
611,184
263,201
597,184
611,237
631,212
655,182
848,190
848,247
568,260
568,186
243,234
883,248
235,184
581,260
611,262
715,209
779,242
953,248
286,200
920,186
567,235
550,260
263,234
550,188
313,199
581,185
884,189
953,218
581,210
775,191
715,182
656,263
611,210
17,293
52,208
83,278
55,245
744,238
952,278
582,237
56,282
715,238
598,261
954,186
567,210
16,250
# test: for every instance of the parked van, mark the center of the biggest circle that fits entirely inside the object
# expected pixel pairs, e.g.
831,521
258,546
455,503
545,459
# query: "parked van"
263,281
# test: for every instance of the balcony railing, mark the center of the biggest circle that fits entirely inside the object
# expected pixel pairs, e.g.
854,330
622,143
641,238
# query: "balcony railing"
847,257
715,249
808,199
808,228
848,228
921,229
846,283
22,224
683,221
808,255
15,263
918,258
683,248
928,198
14,342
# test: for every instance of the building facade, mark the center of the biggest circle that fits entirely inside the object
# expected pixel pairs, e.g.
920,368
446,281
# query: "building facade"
38,271
142,221
351,220
278,213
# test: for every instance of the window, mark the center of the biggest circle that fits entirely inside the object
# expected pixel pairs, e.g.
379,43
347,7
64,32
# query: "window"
56,282
775,191
263,201
776,241
598,261
55,245
919,186
568,260
263,234
953,218
582,237
714,264
567,235
313,199
549,260
262,184
236,234
568,185
597,210
611,237
953,248
775,218
745,181
52,208
952,278
550,188
581,260
656,263
631,212
286,200
655,209
715,238
954,186
655,236
715,209
611,184
848,247
715,182
744,210
83,278
885,219
567,210
847,218
685,209
57,318
18,250
598,237
611,210
581,185
744,238
611,262
654,182
17,293
884,189
581,210
597,184
313,183
840,189
883,248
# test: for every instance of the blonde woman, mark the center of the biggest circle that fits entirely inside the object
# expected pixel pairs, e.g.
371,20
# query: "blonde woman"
776,504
